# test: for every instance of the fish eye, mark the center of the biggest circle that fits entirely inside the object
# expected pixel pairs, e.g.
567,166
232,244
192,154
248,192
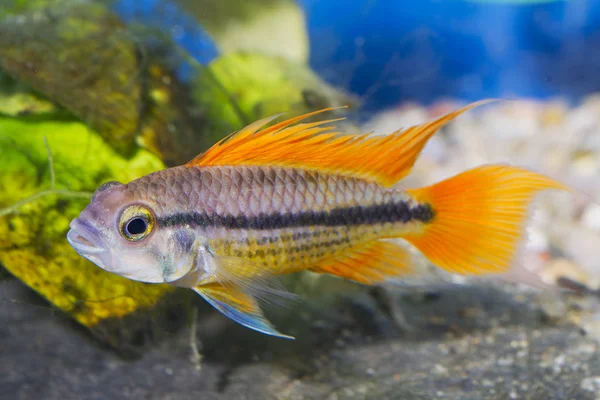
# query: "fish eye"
136,223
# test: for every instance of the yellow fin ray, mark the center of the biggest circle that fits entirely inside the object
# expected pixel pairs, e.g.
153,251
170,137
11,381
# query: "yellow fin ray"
316,146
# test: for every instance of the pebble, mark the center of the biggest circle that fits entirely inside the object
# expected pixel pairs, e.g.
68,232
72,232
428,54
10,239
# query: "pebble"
505,361
591,384
564,268
591,326
440,369
553,306
591,217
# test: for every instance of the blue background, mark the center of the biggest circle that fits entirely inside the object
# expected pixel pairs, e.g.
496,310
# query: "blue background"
388,51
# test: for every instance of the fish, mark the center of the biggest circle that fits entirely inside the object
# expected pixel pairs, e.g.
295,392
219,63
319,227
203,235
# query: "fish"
276,198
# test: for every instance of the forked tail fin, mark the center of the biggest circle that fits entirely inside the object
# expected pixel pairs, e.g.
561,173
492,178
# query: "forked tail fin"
479,217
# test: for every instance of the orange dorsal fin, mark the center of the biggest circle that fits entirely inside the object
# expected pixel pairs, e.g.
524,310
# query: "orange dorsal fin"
317,146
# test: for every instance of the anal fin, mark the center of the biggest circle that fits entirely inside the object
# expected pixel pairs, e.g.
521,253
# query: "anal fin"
239,306
369,263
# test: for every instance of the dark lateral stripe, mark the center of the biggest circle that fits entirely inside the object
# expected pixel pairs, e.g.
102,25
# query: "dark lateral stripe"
370,215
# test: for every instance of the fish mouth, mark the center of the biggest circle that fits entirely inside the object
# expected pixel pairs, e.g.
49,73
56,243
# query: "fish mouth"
83,239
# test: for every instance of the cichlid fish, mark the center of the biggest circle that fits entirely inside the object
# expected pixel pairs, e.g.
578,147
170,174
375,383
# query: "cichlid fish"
267,201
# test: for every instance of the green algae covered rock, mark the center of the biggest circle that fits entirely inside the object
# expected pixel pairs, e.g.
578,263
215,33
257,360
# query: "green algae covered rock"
18,7
38,198
80,56
17,99
239,88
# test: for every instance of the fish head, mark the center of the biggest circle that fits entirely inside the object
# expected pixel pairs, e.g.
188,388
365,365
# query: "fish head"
119,232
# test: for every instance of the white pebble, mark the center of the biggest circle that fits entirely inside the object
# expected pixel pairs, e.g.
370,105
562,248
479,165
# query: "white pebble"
591,217
591,384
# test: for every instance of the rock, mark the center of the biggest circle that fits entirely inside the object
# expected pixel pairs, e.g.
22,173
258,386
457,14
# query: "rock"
499,348
240,88
48,47
41,190
561,268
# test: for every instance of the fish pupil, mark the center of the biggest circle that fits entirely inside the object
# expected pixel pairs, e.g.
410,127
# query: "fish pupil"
136,226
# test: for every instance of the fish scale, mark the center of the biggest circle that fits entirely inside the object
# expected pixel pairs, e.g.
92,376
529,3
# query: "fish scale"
284,191
253,190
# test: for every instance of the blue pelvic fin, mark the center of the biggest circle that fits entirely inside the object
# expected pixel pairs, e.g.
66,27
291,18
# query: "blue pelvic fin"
239,306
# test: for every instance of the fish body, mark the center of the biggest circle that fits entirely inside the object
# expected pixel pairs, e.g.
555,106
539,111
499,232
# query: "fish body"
284,219
291,197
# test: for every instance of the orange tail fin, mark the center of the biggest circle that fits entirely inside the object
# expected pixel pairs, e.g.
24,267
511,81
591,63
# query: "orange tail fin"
479,218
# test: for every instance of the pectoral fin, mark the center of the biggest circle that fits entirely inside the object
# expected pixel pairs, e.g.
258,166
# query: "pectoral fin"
250,278
239,306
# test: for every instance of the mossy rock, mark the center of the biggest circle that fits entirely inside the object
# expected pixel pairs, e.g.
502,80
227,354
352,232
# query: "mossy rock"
84,60
17,7
35,216
239,88
81,56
